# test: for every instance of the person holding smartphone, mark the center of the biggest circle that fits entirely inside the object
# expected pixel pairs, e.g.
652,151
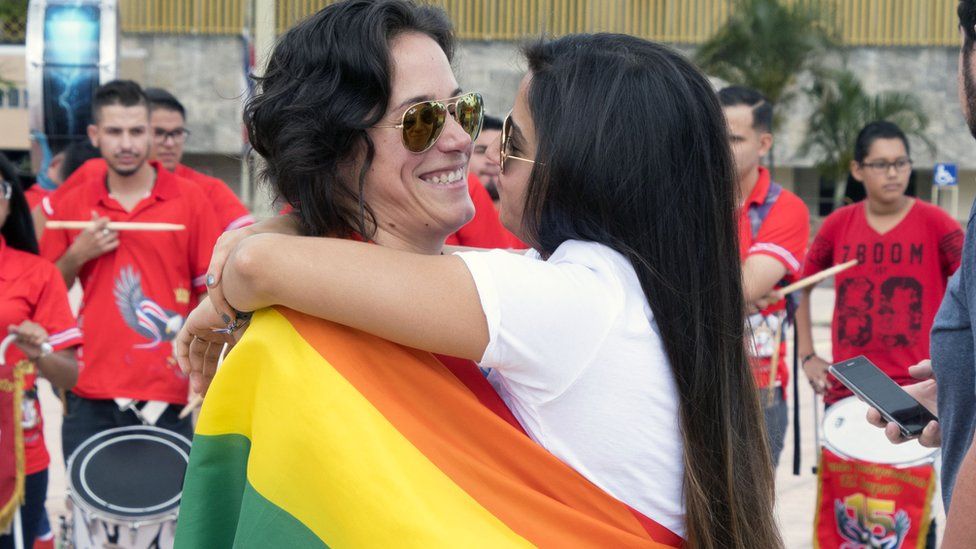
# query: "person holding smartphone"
906,251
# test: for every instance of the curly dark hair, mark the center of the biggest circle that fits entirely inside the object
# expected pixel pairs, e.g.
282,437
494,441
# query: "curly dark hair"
327,81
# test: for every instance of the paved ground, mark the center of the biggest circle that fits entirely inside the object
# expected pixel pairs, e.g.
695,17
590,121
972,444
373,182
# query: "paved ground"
795,495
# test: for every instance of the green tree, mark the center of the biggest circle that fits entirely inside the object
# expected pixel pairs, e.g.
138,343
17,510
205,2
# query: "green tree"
767,44
841,109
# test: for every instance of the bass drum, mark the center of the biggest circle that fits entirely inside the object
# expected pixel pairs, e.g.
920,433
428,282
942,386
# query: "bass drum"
124,486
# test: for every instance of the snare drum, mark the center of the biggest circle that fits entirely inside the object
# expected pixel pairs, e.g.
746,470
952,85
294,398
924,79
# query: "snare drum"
872,493
125,486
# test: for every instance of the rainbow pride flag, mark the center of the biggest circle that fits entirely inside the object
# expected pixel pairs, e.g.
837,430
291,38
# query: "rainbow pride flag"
318,435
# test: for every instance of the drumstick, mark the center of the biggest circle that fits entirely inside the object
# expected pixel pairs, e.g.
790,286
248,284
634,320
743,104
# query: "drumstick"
819,277
197,400
116,226
194,403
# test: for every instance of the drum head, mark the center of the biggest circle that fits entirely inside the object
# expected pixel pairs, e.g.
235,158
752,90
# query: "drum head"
129,473
847,433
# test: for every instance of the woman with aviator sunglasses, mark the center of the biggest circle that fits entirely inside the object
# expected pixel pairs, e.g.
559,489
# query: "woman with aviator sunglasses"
34,307
617,341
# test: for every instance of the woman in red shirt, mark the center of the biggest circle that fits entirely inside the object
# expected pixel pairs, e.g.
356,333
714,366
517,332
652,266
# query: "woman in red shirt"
33,305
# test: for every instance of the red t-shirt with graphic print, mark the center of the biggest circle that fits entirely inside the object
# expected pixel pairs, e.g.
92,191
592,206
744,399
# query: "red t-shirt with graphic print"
783,236
31,288
137,296
884,306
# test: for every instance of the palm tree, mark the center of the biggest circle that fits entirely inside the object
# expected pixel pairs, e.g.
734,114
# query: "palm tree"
841,109
766,44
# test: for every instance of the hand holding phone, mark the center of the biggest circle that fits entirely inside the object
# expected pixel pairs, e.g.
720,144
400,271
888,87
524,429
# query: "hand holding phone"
880,391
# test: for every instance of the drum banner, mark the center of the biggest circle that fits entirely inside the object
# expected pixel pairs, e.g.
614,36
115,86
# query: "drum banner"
867,505
11,441
313,434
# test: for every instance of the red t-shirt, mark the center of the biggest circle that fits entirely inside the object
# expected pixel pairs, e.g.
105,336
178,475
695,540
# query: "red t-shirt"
783,236
34,195
884,307
31,288
484,230
231,212
137,296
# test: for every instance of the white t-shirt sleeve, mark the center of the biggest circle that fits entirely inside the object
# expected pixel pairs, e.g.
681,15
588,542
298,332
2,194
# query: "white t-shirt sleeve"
546,319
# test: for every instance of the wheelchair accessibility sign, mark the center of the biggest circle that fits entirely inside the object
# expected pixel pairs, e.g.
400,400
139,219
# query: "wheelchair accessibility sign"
946,175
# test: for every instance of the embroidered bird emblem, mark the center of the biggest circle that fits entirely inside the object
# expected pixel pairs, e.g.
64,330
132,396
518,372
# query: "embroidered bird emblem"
145,316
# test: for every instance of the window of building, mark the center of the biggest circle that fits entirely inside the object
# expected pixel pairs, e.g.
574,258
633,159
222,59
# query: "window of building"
13,98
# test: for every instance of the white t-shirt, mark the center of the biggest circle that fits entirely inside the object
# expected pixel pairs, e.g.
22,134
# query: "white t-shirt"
575,353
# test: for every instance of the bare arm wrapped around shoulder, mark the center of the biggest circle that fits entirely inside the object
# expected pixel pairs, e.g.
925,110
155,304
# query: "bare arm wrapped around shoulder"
426,302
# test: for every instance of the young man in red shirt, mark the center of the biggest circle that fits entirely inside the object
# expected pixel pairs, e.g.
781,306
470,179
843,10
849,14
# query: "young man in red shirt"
168,120
907,250
138,285
774,227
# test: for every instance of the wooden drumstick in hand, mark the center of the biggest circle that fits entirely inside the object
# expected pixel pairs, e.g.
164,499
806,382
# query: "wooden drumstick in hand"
817,278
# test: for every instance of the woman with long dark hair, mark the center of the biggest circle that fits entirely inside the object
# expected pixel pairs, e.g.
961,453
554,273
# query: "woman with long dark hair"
34,307
617,342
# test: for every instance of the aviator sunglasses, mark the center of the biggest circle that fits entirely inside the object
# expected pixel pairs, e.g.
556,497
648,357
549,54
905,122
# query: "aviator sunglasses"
422,123
506,145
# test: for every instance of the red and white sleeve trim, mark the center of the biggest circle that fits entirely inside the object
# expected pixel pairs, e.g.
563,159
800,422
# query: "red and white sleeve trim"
65,339
778,251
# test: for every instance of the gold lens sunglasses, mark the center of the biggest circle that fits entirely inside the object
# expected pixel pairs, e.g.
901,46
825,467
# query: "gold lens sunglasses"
422,123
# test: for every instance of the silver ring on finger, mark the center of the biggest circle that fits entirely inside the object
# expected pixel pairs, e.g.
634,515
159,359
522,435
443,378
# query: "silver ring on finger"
106,231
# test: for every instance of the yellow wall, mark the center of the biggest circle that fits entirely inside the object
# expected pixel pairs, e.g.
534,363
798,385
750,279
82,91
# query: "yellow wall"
859,22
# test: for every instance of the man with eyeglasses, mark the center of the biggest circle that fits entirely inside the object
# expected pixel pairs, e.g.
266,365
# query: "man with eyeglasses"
906,251
774,227
168,121
138,285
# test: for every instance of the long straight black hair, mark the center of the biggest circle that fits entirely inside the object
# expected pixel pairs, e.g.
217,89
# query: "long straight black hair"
633,153
18,229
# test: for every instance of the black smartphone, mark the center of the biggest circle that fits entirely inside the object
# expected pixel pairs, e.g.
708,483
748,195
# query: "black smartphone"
873,386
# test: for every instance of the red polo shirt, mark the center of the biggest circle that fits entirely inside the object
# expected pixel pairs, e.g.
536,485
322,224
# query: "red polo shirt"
231,213
137,296
31,288
95,167
783,235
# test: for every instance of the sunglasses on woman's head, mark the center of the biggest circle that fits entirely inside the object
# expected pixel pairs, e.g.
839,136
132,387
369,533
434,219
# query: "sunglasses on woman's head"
506,145
422,123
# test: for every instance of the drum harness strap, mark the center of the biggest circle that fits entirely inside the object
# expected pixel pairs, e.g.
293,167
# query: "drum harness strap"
757,214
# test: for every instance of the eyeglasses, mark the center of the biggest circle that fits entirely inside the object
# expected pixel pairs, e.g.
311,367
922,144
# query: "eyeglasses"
422,123
6,189
178,135
506,152
901,165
